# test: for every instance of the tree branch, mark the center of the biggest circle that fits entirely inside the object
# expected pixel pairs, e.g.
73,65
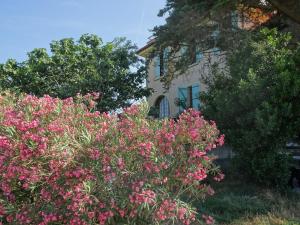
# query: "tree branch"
291,8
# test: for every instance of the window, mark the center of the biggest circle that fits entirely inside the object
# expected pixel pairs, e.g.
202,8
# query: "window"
198,55
215,35
234,20
164,109
189,97
195,95
164,59
182,97
161,63
183,50
157,66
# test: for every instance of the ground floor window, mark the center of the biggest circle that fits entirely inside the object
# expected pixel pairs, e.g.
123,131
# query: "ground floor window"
189,97
161,108
164,108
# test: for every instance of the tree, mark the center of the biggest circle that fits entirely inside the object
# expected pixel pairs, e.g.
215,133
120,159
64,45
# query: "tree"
290,8
205,24
256,104
88,65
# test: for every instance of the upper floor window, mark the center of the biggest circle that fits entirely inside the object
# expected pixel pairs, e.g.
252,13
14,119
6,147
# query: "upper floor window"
161,63
234,20
197,53
157,72
215,36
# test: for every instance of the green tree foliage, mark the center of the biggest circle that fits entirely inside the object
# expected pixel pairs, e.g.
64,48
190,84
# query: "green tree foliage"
257,104
205,24
88,65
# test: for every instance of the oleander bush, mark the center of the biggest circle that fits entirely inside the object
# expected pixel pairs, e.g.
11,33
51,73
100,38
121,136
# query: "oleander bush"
62,162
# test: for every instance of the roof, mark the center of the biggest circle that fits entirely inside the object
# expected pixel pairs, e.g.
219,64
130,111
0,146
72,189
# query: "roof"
144,51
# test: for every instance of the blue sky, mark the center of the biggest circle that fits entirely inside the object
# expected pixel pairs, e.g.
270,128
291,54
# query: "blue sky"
29,24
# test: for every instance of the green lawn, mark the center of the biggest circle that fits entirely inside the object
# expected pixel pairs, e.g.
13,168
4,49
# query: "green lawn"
238,203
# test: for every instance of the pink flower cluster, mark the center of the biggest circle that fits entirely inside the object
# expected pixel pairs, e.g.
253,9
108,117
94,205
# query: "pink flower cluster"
169,210
63,163
145,196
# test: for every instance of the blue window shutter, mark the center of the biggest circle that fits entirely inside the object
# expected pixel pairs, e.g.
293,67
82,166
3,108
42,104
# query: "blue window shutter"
183,50
216,33
199,55
182,96
195,96
215,36
166,54
157,66
234,20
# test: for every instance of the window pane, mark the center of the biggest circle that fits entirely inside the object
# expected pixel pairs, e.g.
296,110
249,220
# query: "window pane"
164,110
182,96
165,60
234,20
157,66
199,55
195,94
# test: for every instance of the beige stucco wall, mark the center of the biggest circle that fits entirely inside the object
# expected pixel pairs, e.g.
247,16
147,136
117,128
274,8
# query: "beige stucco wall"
189,78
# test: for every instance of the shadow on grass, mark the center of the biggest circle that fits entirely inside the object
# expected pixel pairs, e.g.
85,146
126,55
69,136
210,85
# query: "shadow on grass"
238,203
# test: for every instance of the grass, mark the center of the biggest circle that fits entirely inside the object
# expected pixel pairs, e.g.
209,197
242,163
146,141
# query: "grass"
238,203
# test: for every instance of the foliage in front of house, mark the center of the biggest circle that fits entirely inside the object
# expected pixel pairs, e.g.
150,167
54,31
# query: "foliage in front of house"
256,104
61,162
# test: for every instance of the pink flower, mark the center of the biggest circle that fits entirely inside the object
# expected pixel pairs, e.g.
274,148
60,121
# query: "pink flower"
145,149
55,126
121,212
210,190
193,134
91,215
120,163
146,196
167,210
208,219
94,154
219,177
45,195
199,174
2,210
4,142
221,140
181,213
104,216
195,153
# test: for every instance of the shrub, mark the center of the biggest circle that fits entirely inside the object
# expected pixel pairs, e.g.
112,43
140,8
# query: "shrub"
256,104
63,163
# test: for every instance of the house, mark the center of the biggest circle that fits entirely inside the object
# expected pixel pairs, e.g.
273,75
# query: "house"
183,91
